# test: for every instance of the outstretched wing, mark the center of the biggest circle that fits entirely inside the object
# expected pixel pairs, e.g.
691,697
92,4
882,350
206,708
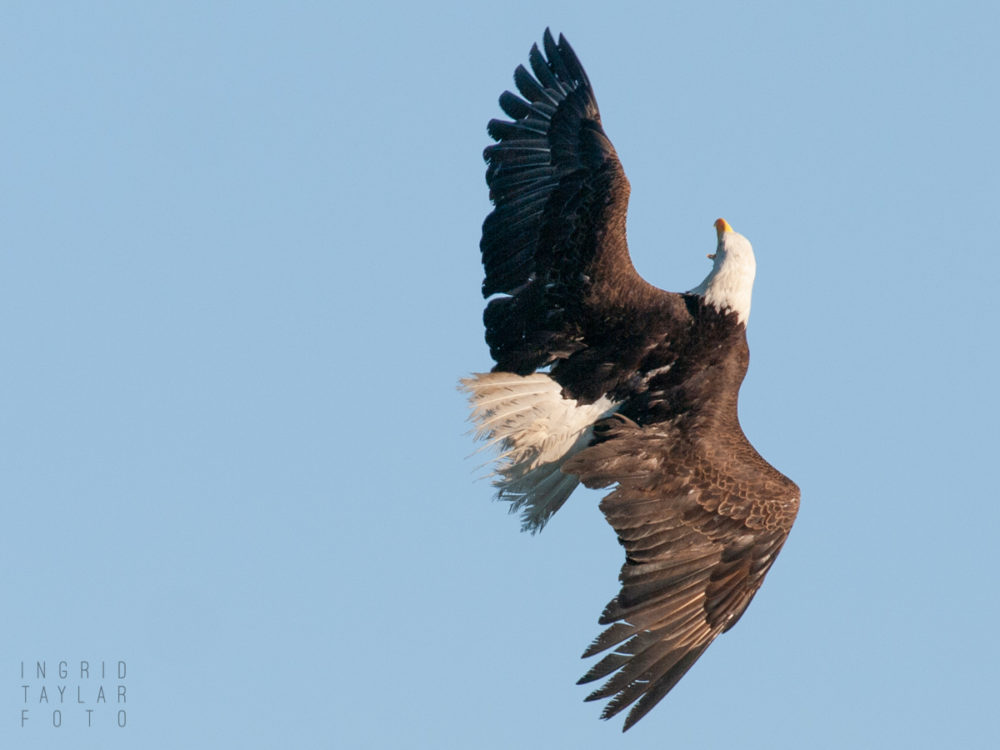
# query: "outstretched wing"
554,245
700,531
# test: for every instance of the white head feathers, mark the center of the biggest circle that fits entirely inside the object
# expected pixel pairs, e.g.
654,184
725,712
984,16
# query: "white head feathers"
730,283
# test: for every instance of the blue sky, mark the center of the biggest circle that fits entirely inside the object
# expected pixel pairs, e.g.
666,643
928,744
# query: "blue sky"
239,279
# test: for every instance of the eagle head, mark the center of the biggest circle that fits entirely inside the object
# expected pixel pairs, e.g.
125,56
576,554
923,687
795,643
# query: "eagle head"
729,284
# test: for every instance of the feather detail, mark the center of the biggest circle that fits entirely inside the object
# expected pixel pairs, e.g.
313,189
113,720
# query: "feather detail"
537,430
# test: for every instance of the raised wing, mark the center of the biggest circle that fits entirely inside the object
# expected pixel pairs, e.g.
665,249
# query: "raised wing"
554,245
701,527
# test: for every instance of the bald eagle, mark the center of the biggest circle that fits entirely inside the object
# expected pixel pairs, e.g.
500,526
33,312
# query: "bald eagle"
603,379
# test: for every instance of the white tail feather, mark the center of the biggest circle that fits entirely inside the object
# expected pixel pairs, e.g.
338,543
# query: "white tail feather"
537,431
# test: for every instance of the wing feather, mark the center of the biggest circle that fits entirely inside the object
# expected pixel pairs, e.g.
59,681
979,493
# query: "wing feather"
693,563
557,188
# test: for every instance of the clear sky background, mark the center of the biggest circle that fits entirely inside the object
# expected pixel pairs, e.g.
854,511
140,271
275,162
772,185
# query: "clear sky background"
239,279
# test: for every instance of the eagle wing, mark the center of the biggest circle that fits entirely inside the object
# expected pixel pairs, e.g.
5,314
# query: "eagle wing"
554,246
701,527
